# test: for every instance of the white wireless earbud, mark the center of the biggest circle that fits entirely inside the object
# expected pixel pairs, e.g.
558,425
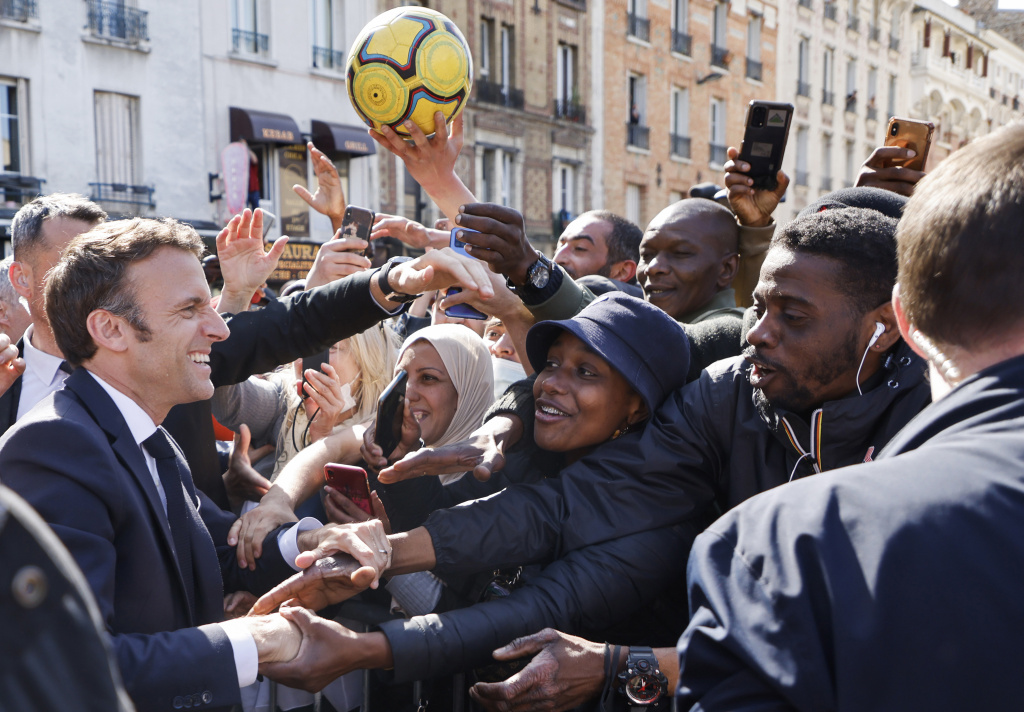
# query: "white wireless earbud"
879,330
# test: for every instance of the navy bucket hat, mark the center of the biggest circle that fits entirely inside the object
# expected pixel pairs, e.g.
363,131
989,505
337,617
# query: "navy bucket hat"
644,344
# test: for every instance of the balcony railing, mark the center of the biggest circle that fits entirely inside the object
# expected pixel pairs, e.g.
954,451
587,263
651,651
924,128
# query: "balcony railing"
16,189
874,33
894,43
494,93
124,199
828,97
639,27
114,21
326,58
638,136
680,145
830,11
720,56
803,88
802,178
853,23
754,69
851,104
570,110
872,113
826,182
681,42
806,3
718,156
18,10
249,42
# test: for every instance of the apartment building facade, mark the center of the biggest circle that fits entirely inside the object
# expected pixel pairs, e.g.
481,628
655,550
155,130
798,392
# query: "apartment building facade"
527,137
132,104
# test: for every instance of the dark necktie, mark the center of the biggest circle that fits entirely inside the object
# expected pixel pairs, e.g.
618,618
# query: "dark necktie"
65,367
159,446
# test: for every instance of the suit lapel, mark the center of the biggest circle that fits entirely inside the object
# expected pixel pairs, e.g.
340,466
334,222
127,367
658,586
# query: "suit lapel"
109,418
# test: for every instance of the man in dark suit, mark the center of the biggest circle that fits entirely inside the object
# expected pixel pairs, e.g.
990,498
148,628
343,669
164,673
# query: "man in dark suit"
130,310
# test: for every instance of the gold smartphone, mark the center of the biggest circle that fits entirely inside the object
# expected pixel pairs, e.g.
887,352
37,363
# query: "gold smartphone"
915,135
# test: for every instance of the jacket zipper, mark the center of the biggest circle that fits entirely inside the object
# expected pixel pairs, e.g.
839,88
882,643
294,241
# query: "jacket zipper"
815,444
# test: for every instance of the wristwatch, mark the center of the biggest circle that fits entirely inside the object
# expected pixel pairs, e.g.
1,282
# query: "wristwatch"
382,281
537,276
642,682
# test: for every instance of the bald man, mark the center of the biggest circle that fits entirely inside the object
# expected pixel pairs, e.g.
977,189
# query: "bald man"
689,256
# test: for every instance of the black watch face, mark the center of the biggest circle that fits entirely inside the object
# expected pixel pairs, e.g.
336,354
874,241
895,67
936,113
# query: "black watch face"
643,688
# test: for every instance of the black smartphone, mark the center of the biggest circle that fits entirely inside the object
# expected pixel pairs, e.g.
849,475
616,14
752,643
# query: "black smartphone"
358,222
764,141
351,482
461,311
315,362
390,411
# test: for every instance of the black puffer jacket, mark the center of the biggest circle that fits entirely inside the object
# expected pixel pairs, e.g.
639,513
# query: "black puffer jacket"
712,444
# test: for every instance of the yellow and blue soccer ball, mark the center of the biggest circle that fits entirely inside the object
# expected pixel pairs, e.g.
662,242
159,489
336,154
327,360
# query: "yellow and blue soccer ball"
407,64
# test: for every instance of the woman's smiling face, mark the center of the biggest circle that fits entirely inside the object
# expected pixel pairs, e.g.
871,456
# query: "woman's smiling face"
430,394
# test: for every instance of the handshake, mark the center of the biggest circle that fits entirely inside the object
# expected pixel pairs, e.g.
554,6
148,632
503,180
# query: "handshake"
296,647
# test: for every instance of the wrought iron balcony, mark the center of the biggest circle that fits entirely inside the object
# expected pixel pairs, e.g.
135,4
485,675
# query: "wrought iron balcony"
326,58
680,145
894,43
718,156
826,182
639,27
570,110
828,97
851,104
681,42
806,3
830,11
493,93
17,189
720,56
114,21
802,178
638,136
874,33
853,23
124,199
803,88
754,69
18,10
872,113
249,42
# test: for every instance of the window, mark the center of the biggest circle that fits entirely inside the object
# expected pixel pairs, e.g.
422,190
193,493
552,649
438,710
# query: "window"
506,178
486,46
564,185
717,124
638,99
245,28
826,162
497,176
116,19
681,16
851,163
754,38
118,157
801,156
872,92
680,126
803,81
567,103
507,67
327,35
637,23
851,85
633,200
10,128
827,81
719,37
487,182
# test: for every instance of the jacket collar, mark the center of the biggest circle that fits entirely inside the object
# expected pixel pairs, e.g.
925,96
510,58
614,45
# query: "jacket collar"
726,299
839,431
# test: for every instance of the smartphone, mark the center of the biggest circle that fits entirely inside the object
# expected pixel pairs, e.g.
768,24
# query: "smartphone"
461,311
315,362
764,141
358,222
390,411
351,482
908,133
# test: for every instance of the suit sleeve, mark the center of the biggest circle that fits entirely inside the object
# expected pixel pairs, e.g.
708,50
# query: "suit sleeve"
81,504
652,478
293,327
589,589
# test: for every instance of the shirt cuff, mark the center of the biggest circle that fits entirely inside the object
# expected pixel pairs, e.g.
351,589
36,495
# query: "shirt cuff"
287,541
247,657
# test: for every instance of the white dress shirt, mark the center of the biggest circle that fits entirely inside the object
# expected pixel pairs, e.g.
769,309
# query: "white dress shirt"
42,375
142,426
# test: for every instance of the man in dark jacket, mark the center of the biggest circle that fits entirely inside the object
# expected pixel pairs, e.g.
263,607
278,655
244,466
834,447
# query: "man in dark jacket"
896,585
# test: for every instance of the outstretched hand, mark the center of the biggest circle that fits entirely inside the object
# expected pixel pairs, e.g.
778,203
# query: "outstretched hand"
244,264
565,672
330,580
242,482
502,242
329,198
408,231
440,269
11,365
753,206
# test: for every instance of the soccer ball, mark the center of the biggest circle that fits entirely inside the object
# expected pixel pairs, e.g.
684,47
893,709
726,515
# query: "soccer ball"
407,64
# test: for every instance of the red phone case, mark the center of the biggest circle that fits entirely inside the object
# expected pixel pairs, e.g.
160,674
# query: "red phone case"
351,482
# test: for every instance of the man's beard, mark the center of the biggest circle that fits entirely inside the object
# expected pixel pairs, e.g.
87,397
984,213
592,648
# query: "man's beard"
798,388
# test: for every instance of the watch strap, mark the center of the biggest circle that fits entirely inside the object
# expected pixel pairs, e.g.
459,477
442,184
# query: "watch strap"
382,281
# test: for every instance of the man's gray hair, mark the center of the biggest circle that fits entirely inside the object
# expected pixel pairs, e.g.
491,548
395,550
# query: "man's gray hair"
27,226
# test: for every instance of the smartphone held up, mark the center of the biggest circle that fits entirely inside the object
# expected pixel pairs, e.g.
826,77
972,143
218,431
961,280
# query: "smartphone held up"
358,222
461,311
764,141
351,482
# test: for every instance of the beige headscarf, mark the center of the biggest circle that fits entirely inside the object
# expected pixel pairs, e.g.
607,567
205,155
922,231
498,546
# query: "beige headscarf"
468,363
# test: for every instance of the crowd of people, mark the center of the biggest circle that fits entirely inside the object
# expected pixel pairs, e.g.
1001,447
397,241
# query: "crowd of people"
716,463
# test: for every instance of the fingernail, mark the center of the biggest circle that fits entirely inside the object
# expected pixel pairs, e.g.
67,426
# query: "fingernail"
407,124
911,153
458,218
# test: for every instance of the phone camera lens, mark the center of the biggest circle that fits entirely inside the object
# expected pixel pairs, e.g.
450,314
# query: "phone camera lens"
760,113
895,129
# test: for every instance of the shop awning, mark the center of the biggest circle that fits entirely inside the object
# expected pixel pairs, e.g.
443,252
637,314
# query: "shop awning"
263,127
338,138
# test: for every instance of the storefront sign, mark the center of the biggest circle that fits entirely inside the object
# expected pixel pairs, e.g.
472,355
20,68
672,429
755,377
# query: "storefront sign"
296,261
294,210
